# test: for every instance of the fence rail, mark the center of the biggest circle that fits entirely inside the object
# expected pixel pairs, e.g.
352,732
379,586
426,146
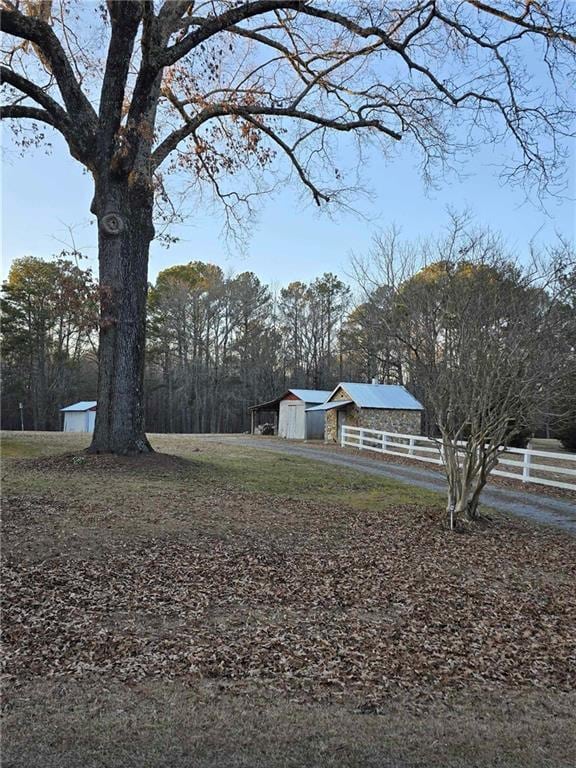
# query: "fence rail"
557,467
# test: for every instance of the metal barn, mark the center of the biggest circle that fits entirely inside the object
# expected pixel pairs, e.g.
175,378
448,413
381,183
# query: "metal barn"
79,417
289,416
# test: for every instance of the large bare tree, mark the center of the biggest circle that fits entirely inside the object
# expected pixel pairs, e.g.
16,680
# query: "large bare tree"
218,91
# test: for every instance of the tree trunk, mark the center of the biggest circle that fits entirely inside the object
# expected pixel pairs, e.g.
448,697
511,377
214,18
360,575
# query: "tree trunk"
125,230
466,480
39,384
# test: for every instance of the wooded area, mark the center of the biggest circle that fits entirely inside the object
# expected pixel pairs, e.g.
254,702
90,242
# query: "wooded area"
161,100
485,342
216,344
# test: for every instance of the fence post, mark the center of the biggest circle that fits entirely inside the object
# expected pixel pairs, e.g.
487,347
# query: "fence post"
383,442
361,439
526,468
411,448
342,436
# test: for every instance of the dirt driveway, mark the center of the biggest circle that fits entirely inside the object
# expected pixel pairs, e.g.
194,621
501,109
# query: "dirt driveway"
541,508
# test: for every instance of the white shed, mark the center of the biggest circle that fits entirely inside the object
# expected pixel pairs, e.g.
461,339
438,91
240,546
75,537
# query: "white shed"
79,417
290,416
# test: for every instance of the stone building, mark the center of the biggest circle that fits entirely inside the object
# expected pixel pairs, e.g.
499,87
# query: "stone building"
388,407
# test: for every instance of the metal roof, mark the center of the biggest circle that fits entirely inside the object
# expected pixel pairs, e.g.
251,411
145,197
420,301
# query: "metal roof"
83,405
311,395
307,395
330,406
268,405
389,396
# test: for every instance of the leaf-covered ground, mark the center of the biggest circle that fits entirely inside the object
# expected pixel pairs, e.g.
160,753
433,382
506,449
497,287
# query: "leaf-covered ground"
126,574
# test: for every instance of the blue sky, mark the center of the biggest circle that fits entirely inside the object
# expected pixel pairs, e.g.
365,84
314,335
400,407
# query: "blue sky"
43,194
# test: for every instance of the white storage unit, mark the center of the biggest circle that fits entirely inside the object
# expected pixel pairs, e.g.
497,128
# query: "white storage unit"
293,421
79,417
289,413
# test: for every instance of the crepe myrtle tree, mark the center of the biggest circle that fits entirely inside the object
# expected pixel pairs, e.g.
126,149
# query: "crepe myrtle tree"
482,339
149,95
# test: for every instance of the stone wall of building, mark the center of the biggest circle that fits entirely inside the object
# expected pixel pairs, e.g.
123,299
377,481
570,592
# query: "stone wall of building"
408,422
331,428
352,416
341,395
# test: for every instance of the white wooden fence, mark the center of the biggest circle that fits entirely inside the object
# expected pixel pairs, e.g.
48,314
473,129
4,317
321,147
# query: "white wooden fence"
557,466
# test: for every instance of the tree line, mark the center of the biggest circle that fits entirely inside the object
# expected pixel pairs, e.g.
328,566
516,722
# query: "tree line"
216,343
423,314
166,102
49,310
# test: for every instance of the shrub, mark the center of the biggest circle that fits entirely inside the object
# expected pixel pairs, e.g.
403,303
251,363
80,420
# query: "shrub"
567,436
520,439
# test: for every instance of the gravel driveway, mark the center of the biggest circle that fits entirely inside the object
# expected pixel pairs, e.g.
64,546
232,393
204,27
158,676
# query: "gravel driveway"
560,513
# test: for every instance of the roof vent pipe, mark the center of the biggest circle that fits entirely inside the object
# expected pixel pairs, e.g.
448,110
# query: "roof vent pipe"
374,380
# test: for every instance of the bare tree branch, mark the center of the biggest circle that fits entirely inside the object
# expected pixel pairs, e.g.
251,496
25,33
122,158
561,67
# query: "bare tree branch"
221,110
39,32
125,19
212,26
524,21
316,193
28,113
35,92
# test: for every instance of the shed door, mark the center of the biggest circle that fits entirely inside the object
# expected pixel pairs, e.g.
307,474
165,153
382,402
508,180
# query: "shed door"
292,429
74,421
341,421
315,421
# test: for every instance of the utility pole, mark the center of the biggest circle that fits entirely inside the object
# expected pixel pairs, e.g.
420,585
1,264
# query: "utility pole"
21,406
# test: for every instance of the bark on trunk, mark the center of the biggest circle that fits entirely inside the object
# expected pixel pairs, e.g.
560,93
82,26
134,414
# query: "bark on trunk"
125,230
39,384
466,477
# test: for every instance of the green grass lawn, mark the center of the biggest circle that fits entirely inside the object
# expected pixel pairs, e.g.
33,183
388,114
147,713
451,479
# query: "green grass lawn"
225,465
217,605
28,445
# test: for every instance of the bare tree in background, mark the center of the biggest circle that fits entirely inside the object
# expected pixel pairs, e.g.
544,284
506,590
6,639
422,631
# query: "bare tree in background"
479,336
226,91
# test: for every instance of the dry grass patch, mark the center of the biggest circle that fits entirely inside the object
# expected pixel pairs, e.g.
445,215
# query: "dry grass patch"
370,603
161,724
171,612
